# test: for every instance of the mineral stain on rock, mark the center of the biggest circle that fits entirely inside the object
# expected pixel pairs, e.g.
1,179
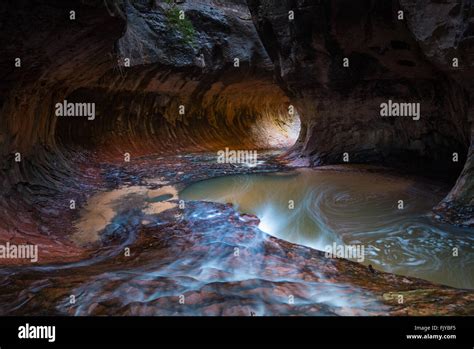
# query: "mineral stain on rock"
103,207
165,106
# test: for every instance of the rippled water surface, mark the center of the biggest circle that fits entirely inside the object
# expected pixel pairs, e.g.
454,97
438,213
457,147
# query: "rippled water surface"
353,208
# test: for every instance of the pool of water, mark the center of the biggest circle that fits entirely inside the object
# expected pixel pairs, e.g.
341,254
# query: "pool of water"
347,206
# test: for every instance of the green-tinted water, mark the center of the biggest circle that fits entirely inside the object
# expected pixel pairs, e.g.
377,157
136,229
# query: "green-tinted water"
319,208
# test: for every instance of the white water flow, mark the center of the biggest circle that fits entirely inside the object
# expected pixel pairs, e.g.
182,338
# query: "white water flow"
353,207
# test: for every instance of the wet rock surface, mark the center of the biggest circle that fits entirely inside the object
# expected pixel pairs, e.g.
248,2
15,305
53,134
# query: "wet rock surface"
82,60
209,259
138,113
408,60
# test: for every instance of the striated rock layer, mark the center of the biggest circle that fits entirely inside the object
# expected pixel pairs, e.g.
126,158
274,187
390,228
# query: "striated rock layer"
157,92
137,106
208,259
403,60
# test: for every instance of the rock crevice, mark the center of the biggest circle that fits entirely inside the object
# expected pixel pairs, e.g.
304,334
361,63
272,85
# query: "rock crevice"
407,59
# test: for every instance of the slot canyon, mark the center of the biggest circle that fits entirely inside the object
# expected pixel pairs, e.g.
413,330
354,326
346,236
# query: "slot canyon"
132,213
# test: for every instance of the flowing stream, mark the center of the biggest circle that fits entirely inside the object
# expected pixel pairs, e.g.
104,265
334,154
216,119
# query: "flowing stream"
318,208
191,251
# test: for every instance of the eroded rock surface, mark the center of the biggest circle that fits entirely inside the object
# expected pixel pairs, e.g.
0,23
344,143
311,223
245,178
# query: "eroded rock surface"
138,107
209,259
138,113
407,60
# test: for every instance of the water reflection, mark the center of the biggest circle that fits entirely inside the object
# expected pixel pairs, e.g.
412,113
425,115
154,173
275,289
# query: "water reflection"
319,207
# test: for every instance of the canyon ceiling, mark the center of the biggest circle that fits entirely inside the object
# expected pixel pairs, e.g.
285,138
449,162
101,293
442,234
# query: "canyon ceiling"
156,92
282,63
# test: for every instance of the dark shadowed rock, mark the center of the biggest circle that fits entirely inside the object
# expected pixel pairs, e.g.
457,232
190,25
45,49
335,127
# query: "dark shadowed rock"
405,60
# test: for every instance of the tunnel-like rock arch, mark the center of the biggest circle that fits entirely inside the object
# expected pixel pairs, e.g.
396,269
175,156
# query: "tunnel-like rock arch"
153,93
242,74
341,60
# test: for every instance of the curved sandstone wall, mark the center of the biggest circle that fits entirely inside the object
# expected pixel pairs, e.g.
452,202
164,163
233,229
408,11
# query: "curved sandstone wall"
404,57
128,59
138,69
